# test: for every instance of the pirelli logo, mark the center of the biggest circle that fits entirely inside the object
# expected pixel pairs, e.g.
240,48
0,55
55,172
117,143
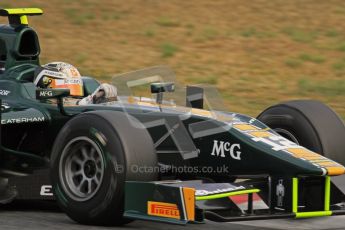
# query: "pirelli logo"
163,209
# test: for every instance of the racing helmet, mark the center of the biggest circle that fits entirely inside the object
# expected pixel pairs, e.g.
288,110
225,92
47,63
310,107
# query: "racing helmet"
59,75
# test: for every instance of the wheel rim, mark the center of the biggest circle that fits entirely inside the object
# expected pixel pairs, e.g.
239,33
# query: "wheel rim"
81,168
288,135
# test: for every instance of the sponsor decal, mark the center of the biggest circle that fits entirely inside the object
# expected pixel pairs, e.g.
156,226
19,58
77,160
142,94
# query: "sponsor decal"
22,120
4,92
46,190
163,209
280,192
46,93
73,81
220,148
53,73
217,191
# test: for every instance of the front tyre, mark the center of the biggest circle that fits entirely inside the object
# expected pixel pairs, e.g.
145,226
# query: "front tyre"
91,161
308,123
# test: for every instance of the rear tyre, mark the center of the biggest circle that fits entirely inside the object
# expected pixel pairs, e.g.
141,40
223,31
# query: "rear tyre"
309,123
91,160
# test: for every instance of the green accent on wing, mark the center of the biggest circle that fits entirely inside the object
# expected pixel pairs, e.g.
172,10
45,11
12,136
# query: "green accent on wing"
313,214
327,192
295,195
325,212
217,196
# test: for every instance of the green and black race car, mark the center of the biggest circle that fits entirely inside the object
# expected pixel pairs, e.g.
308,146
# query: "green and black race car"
148,158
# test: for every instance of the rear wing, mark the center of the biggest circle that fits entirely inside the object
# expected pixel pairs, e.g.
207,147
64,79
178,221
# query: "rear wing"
18,16
18,42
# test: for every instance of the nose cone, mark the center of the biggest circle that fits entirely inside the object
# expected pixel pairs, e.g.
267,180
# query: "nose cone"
275,154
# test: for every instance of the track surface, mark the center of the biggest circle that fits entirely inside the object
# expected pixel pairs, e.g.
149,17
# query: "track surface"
33,217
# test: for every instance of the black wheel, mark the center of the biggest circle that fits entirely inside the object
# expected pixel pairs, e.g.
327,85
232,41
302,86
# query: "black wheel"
309,123
91,160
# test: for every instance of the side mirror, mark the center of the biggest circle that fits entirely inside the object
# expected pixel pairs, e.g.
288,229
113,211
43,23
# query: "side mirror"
59,94
42,94
162,87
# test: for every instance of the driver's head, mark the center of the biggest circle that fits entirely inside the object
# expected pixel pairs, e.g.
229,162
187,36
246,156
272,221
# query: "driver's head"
59,75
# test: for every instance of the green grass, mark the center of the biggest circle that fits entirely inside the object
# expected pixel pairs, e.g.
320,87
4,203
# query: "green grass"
300,35
190,26
340,10
212,80
80,58
253,32
167,22
209,33
332,33
304,57
77,17
168,49
312,58
327,88
339,66
150,33
293,63
116,16
112,16
6,5
249,32
341,47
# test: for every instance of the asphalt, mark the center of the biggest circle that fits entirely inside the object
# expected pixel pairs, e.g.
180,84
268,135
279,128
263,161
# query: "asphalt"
39,217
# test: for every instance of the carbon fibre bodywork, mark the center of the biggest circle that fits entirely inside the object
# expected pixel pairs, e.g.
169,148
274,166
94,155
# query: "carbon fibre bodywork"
201,138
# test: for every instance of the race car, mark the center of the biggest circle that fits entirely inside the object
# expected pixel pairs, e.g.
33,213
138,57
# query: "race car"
145,156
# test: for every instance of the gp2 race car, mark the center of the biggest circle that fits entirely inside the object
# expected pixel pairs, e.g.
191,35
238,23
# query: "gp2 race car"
146,157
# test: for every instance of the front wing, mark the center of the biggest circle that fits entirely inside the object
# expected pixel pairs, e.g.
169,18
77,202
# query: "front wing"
182,202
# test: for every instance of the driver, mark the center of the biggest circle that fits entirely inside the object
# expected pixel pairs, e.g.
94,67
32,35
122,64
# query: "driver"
63,75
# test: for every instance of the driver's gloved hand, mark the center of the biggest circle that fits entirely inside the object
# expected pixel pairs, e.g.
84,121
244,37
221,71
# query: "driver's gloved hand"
104,93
